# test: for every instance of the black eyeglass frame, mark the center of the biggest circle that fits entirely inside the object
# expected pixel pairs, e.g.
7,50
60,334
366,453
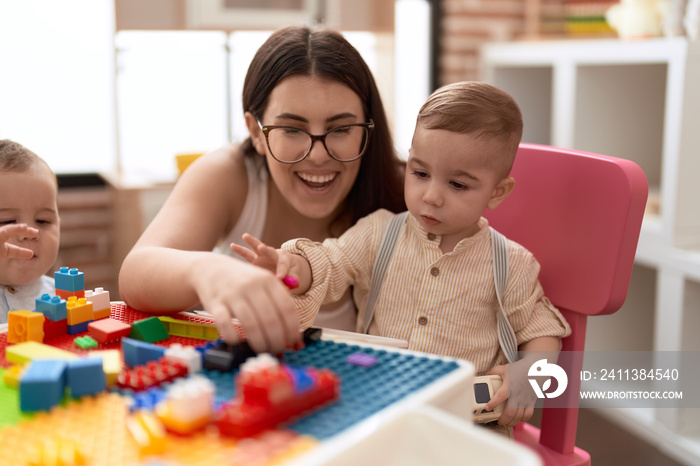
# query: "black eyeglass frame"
316,137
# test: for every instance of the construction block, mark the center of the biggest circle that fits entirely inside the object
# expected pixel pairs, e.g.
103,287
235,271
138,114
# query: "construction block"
22,353
187,355
361,359
12,375
149,330
59,451
85,342
189,405
43,384
65,294
152,374
267,395
99,298
108,330
102,314
69,279
148,432
184,328
79,310
55,329
25,326
225,358
53,307
111,364
78,328
86,376
138,353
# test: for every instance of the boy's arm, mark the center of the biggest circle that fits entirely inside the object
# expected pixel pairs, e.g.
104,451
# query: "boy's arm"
279,262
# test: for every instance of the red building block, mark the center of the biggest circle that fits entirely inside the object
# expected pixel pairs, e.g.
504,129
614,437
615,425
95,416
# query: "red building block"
54,329
108,330
152,374
269,397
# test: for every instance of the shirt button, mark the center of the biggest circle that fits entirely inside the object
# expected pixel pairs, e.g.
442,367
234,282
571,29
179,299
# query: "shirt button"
11,289
434,271
432,236
423,320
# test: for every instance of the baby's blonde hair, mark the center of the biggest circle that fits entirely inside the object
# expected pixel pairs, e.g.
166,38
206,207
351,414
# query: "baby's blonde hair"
477,108
14,157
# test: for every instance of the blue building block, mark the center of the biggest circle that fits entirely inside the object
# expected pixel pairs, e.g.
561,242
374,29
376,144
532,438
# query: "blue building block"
69,279
138,353
86,376
53,307
43,384
78,328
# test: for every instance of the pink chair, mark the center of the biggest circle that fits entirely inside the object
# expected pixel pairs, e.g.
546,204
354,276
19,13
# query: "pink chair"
580,214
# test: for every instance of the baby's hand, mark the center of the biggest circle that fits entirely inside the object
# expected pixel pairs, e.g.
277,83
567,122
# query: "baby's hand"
275,260
11,251
520,410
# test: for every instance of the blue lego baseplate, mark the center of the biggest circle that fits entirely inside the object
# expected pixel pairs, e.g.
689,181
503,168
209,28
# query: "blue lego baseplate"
364,390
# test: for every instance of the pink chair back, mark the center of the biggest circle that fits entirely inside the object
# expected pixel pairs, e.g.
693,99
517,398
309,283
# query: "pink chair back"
580,214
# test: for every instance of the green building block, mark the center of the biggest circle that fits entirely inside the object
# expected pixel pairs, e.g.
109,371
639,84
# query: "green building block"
183,328
149,330
85,342
10,414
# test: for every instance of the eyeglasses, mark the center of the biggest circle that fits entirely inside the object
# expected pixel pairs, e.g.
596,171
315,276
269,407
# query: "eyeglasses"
344,143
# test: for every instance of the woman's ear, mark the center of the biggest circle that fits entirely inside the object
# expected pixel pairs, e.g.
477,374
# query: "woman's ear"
501,192
256,134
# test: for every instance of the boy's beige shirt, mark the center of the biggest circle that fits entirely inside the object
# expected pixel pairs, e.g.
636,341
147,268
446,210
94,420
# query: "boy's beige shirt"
443,304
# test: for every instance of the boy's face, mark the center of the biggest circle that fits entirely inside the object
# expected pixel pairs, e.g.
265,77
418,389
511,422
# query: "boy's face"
449,185
30,197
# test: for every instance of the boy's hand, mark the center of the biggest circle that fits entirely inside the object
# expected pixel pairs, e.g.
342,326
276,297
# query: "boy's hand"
262,255
523,409
11,251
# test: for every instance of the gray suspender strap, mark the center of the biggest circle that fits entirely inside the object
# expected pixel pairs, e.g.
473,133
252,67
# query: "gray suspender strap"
506,336
381,264
499,246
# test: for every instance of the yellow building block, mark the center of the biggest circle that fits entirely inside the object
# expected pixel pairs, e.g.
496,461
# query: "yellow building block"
111,364
25,326
79,310
58,452
183,328
22,353
12,375
147,431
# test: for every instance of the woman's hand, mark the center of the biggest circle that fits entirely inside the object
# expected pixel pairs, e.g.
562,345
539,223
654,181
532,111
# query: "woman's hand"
229,288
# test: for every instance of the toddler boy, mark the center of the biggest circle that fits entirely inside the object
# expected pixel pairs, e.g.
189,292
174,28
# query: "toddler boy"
29,227
439,292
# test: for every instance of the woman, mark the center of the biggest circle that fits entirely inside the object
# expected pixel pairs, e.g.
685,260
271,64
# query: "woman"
319,157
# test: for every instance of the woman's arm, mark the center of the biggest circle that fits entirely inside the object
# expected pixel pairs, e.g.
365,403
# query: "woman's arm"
172,268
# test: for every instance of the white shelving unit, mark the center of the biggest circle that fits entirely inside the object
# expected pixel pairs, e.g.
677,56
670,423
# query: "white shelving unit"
640,101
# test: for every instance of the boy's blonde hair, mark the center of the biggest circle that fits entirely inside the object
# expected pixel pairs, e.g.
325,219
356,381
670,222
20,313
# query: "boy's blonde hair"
14,157
479,109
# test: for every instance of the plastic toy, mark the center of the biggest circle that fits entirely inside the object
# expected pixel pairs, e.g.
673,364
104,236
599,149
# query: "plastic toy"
86,376
111,364
149,330
100,302
147,431
22,353
69,280
55,329
53,307
362,359
85,342
43,385
79,310
77,328
270,393
60,452
25,326
153,373
183,328
187,355
138,353
188,406
224,357
485,387
105,330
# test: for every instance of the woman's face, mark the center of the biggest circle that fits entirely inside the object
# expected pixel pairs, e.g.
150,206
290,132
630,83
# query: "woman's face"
318,185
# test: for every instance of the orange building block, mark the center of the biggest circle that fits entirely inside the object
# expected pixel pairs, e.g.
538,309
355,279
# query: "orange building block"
79,310
25,326
63,294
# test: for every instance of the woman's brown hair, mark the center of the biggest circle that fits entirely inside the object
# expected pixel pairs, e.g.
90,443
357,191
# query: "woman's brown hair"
324,53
